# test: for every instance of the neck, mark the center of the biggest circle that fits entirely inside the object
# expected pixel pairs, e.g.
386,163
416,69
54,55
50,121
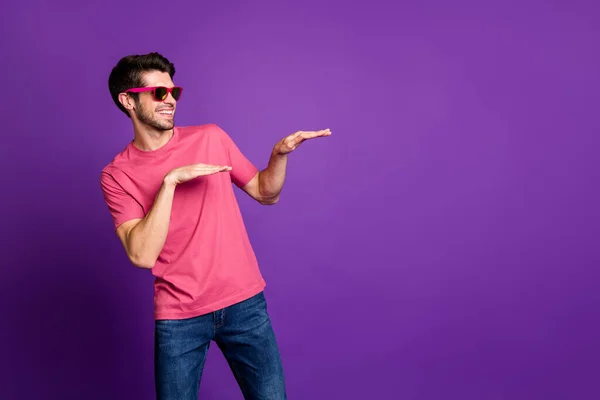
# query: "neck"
147,138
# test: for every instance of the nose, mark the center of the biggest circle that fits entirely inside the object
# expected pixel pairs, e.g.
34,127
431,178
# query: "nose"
169,99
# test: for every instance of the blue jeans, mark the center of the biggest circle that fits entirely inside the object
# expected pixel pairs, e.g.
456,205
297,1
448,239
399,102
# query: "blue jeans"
243,333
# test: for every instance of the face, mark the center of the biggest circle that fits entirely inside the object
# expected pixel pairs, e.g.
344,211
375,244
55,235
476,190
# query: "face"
156,114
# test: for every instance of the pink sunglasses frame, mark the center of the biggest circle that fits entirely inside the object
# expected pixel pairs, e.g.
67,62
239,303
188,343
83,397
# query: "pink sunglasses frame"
153,88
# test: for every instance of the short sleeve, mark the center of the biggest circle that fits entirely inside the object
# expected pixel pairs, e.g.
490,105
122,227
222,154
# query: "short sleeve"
242,169
122,206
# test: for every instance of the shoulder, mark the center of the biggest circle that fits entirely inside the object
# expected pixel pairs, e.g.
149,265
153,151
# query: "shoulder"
116,165
109,177
113,172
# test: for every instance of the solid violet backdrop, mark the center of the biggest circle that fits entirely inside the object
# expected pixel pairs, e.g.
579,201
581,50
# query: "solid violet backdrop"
441,244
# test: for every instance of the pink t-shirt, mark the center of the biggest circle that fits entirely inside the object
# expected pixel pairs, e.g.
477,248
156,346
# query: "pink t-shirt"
207,262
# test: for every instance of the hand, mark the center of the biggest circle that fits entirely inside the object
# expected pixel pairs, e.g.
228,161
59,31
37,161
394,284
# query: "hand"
189,172
291,142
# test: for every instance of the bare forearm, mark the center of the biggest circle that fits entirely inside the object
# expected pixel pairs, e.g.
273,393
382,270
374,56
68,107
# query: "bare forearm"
146,240
272,178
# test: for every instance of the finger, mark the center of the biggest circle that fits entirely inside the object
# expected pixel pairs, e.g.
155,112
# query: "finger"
294,136
206,171
293,143
307,135
208,166
214,170
322,132
298,137
313,135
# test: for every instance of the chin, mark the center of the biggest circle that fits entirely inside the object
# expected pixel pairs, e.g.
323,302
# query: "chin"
163,125
166,123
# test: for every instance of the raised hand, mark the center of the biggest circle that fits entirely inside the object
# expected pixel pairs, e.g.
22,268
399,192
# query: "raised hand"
291,142
189,172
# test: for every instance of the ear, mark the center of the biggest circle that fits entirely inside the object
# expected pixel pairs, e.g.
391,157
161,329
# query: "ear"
126,101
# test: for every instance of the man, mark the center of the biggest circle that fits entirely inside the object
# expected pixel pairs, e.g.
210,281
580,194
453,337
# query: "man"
171,198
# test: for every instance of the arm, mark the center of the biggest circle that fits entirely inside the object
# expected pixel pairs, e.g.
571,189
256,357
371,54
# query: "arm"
144,238
266,186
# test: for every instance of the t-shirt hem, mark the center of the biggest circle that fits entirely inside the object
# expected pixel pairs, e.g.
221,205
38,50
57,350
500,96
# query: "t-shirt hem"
158,315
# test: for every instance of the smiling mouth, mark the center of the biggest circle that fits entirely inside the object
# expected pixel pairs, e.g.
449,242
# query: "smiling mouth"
168,113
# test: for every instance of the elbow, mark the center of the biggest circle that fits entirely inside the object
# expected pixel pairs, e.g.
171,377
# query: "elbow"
142,262
269,201
139,257
266,194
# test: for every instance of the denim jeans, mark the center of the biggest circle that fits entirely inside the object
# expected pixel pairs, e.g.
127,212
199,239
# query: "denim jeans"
244,335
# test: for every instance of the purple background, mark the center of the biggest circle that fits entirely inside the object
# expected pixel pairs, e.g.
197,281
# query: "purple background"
442,243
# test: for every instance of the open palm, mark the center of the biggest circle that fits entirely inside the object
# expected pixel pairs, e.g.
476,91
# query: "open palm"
291,142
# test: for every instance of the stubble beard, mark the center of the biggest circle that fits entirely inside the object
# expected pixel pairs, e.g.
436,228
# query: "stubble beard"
147,117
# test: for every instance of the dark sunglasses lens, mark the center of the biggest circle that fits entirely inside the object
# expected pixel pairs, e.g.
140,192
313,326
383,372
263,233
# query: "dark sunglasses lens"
160,93
176,93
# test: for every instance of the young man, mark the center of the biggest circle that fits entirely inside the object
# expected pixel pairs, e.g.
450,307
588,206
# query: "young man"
171,198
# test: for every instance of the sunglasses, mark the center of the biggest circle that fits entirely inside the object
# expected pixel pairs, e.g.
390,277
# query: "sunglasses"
160,92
